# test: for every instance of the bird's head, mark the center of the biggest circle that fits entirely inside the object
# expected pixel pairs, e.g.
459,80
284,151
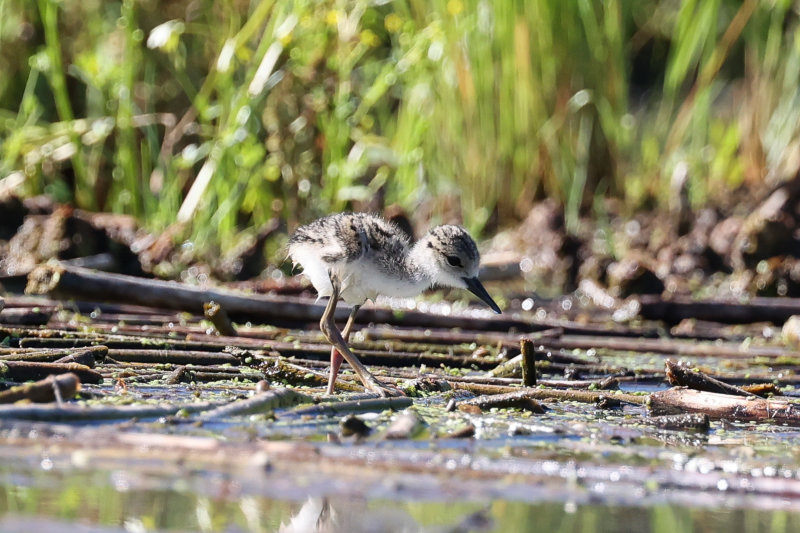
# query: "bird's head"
453,260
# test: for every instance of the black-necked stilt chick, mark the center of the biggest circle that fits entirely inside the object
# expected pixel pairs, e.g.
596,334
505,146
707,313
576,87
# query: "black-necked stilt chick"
356,257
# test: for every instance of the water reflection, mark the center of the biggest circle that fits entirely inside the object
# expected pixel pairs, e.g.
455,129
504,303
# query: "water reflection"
88,501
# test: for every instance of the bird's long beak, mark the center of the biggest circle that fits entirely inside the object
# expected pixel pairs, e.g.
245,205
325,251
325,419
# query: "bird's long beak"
475,287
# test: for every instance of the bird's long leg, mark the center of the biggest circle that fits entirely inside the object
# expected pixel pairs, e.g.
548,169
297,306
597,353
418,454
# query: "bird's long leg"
331,332
336,357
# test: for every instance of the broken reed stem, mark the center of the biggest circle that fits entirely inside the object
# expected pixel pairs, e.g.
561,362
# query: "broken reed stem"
178,357
337,408
219,318
263,403
528,363
551,394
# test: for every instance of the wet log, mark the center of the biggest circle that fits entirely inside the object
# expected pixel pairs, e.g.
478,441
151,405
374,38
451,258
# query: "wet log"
666,347
26,317
551,394
57,340
507,369
50,389
26,371
451,338
208,377
718,406
263,403
338,408
173,357
86,356
756,309
681,376
62,281
382,358
76,413
296,374
512,400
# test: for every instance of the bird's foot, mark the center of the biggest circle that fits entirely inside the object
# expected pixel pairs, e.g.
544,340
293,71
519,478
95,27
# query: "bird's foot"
385,391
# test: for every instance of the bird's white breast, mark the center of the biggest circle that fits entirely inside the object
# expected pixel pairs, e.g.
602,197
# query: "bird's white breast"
360,280
363,279
314,268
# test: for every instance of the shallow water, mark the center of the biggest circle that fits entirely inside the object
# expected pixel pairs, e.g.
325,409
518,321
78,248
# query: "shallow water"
576,467
57,501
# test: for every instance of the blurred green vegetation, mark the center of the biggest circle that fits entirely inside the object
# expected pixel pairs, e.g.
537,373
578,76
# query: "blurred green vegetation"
226,114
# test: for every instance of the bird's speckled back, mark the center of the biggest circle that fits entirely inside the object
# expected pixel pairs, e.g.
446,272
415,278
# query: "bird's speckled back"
350,236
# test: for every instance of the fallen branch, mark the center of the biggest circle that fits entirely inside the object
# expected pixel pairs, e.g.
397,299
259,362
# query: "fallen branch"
452,338
85,356
513,400
717,406
680,347
383,358
75,413
265,402
351,406
296,374
175,357
26,371
50,389
551,394
63,281
26,317
681,376
757,309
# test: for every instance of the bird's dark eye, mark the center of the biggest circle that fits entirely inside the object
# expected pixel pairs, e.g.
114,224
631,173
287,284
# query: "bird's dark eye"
454,260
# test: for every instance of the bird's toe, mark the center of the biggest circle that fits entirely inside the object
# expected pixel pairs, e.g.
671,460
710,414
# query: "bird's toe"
386,391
